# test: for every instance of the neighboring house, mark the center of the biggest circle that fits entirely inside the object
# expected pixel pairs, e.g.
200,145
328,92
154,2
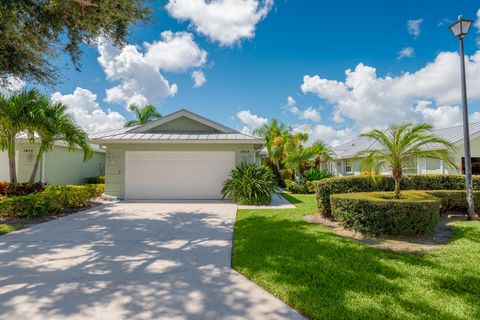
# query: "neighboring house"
180,156
58,167
345,163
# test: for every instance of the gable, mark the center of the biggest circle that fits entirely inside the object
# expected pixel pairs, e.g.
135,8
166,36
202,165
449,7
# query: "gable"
182,125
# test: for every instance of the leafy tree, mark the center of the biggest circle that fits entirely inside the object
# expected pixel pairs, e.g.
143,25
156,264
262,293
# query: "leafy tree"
18,113
143,114
34,32
402,144
55,124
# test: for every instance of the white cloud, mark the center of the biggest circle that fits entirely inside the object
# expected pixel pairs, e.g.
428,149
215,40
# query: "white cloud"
413,27
140,73
198,78
224,21
308,114
372,101
325,133
83,105
441,117
251,121
11,85
407,52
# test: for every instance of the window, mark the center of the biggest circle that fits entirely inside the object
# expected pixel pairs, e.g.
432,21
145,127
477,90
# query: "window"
475,165
348,166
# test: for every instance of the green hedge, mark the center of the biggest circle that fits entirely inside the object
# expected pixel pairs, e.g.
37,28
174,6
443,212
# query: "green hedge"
49,202
95,180
327,187
455,200
416,213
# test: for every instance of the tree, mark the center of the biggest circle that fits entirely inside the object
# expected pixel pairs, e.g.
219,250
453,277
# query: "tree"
17,115
402,144
297,157
34,32
321,151
55,124
143,114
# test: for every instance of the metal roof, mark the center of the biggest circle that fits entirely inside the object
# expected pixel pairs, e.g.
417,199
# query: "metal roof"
454,135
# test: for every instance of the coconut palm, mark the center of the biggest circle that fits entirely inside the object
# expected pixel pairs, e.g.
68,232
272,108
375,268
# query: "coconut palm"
322,152
17,115
400,145
143,114
55,124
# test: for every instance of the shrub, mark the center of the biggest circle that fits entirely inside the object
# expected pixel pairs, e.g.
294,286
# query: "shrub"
95,180
50,202
455,200
314,174
328,187
250,184
298,187
21,189
415,213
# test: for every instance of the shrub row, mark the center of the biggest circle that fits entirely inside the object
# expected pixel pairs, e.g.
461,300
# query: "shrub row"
455,200
49,202
307,187
95,180
20,189
326,188
417,213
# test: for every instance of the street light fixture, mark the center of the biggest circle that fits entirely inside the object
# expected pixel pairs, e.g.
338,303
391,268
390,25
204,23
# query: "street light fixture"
460,29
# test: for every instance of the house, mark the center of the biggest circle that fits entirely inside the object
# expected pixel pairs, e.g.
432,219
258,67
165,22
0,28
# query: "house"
345,163
60,166
180,156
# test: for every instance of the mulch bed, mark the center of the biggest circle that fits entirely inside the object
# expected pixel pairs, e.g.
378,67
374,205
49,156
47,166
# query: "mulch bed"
30,222
399,244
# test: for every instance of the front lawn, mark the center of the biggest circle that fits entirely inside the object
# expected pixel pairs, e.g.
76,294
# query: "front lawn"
325,276
6,228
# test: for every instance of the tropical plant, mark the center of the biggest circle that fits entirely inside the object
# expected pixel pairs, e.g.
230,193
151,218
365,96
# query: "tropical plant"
143,114
250,184
18,113
315,173
297,158
400,145
54,124
322,152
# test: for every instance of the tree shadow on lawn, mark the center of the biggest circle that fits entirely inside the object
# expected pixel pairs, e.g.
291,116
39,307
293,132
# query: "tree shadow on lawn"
325,276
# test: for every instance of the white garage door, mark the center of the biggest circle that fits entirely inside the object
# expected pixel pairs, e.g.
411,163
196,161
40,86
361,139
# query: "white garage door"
176,175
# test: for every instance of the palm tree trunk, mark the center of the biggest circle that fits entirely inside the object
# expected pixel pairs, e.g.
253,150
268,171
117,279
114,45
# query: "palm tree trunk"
397,176
279,173
37,164
11,159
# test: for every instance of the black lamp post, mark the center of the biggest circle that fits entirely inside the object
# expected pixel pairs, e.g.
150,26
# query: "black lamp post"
460,29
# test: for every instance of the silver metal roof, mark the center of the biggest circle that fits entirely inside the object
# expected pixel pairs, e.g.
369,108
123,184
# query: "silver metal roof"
454,135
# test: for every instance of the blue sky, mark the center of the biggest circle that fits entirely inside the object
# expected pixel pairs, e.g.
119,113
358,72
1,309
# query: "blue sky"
258,71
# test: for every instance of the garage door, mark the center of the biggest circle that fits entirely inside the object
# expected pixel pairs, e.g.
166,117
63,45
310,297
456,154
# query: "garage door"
176,175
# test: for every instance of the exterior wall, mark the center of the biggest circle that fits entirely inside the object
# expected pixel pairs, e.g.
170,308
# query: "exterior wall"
115,159
60,166
183,124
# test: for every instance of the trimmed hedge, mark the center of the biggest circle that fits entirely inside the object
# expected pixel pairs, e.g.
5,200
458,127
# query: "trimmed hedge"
50,202
416,213
326,188
455,200
95,180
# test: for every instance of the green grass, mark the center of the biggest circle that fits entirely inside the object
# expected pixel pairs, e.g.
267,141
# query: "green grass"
6,228
325,276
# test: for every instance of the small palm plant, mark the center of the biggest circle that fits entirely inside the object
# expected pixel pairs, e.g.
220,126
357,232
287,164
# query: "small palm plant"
402,144
143,114
250,184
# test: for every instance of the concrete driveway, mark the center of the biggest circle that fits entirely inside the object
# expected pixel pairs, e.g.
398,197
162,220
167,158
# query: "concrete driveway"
131,261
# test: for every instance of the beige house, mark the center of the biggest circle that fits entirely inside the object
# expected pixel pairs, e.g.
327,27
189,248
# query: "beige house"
180,156
345,163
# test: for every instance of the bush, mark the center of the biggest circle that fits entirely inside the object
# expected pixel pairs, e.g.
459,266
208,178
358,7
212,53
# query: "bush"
314,174
50,202
415,213
20,189
298,187
250,184
328,187
455,200
95,180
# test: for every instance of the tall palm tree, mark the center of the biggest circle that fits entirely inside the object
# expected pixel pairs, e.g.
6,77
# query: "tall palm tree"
321,151
400,145
55,124
143,114
17,115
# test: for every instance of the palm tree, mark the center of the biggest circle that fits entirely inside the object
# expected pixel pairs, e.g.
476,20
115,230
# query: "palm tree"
297,157
402,144
321,151
17,115
143,114
55,124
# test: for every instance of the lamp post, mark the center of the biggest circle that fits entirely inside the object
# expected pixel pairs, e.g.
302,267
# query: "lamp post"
460,29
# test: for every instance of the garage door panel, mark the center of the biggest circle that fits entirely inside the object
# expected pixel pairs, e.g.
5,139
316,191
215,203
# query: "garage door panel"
176,175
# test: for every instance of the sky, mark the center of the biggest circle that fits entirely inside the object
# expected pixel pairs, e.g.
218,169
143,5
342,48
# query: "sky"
331,68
